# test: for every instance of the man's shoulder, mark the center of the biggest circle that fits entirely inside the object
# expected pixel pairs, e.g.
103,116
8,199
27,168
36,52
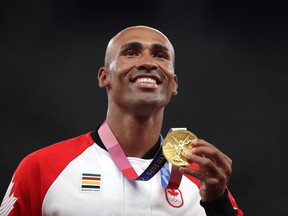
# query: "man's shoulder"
61,151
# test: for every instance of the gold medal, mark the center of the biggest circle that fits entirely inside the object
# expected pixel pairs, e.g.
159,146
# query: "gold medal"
176,145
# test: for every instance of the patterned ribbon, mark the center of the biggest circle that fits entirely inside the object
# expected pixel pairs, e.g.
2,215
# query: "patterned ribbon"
168,180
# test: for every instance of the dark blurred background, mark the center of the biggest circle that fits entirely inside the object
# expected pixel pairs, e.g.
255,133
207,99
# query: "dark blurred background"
231,61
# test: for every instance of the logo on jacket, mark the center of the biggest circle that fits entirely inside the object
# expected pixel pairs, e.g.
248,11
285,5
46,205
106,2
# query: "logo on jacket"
90,182
174,197
8,201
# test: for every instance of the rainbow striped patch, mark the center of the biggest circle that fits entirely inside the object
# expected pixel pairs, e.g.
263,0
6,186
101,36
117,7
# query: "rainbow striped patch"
90,182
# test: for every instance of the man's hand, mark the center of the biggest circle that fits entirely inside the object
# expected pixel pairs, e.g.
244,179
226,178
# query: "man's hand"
214,169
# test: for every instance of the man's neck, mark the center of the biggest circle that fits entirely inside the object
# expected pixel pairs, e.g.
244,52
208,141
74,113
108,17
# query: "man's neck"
136,135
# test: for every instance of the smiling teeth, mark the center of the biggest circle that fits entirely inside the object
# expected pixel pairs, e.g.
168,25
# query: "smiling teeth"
146,80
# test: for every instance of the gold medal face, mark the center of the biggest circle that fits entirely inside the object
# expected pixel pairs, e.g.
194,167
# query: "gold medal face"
176,145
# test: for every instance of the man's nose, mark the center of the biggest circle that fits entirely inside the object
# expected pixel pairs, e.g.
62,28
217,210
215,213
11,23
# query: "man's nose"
147,63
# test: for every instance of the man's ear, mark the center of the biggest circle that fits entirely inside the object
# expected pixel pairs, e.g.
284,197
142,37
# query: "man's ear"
175,85
103,77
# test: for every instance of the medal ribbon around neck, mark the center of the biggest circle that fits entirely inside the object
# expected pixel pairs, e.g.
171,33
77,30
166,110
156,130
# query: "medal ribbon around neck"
168,180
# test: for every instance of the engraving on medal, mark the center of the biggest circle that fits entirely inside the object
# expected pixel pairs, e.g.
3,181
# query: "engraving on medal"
176,146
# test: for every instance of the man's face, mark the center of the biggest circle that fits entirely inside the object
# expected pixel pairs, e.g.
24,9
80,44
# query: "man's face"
140,70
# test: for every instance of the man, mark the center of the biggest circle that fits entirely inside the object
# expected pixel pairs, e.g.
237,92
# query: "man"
90,174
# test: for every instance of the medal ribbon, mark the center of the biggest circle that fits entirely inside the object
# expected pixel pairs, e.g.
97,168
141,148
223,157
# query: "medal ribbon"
159,162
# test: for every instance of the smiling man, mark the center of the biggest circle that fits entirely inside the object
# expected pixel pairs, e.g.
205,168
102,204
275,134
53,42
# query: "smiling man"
140,80
119,169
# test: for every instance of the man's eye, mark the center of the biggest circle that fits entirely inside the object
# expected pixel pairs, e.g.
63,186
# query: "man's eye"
160,55
130,53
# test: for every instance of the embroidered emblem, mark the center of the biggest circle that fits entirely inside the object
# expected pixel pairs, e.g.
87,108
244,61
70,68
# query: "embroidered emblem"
174,197
90,182
8,201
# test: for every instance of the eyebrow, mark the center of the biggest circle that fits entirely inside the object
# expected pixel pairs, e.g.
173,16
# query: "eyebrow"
131,44
135,44
160,47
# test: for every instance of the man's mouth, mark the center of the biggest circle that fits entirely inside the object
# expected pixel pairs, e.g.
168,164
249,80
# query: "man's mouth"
146,82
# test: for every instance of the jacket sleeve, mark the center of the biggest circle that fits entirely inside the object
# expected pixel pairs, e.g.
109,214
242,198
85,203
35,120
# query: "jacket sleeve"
36,173
222,206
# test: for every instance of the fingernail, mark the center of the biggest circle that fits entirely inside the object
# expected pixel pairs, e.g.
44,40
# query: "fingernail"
194,141
194,150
